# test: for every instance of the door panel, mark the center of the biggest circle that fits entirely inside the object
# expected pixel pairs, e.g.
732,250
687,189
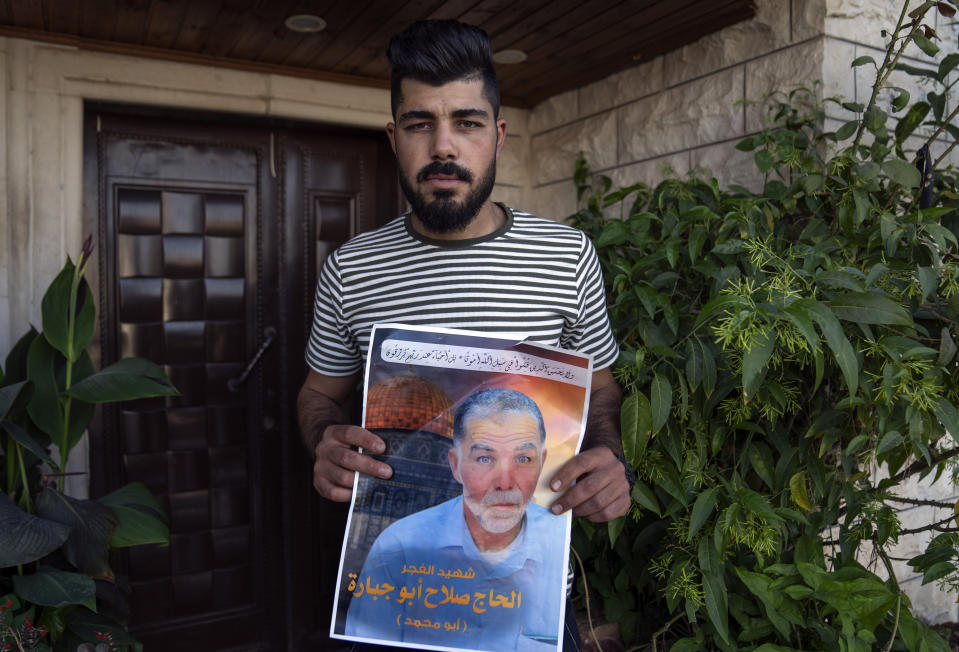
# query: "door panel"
211,232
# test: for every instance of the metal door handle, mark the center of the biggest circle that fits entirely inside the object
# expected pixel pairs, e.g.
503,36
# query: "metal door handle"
234,384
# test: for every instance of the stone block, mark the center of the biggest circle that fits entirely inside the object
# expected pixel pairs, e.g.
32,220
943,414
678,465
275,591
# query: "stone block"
705,111
513,164
767,31
838,75
517,120
557,110
932,604
512,196
622,87
863,21
808,19
552,154
774,75
728,165
555,201
652,171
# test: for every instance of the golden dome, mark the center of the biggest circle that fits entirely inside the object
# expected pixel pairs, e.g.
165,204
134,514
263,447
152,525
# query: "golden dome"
409,402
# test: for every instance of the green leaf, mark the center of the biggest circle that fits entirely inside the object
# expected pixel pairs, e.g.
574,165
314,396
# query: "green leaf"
947,347
20,436
947,65
901,101
875,119
948,416
761,460
44,407
128,379
661,400
140,518
636,426
15,365
901,172
764,160
847,130
24,538
714,588
643,495
91,526
842,350
803,324
928,281
749,144
12,395
925,44
694,363
909,122
861,61
702,510
55,588
869,308
798,492
754,362
614,528
889,441
723,302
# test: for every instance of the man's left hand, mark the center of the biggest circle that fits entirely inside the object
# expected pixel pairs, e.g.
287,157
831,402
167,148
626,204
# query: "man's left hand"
601,492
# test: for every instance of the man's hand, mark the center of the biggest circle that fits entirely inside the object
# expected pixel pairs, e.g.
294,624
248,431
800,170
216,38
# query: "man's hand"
337,460
334,446
601,492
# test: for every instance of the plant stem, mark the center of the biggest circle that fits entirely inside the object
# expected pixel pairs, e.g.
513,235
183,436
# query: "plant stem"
895,625
23,478
883,73
942,127
68,377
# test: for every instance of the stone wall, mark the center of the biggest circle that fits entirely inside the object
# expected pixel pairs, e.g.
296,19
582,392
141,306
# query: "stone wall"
687,109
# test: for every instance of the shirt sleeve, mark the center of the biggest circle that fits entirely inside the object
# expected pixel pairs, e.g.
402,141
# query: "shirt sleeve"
332,349
591,332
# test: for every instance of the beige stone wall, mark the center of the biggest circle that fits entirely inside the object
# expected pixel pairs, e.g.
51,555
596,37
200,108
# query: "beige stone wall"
42,90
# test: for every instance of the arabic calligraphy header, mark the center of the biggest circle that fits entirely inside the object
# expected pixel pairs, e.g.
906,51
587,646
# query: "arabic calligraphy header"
476,359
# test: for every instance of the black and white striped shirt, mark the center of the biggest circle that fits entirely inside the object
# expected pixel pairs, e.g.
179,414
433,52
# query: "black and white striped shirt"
533,277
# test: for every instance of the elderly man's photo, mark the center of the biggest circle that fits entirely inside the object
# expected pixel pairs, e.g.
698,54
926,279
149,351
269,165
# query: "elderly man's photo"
492,544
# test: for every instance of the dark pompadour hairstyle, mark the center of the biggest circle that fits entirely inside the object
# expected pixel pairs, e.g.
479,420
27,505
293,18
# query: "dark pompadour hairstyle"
437,52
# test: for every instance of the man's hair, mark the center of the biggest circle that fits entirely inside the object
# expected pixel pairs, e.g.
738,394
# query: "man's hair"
488,403
437,52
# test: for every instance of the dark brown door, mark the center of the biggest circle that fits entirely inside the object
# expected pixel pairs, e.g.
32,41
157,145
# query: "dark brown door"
210,234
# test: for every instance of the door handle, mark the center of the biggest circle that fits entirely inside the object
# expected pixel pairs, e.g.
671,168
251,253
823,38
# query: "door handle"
234,384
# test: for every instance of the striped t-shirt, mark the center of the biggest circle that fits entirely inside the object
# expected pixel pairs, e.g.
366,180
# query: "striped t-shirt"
533,278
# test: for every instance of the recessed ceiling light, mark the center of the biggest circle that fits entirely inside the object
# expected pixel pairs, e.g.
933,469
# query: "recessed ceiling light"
307,23
509,56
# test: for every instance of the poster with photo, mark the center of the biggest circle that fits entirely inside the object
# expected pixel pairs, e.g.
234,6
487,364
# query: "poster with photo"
458,549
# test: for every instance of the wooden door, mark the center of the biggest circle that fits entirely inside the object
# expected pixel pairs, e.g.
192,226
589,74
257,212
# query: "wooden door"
210,233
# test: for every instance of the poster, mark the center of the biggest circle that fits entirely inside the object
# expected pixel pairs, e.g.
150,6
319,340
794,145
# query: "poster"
458,550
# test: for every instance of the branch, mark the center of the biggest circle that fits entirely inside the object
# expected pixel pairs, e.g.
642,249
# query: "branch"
921,465
937,526
927,503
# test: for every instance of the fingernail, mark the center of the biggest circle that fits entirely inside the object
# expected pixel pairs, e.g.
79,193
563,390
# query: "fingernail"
555,485
385,472
557,508
380,447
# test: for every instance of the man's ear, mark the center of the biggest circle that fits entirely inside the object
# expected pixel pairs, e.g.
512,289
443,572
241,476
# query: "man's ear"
500,135
454,464
391,134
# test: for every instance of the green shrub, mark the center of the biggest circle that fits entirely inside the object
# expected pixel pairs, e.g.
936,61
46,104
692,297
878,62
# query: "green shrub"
789,358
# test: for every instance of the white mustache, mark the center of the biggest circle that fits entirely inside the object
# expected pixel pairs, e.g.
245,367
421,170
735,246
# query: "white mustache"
509,496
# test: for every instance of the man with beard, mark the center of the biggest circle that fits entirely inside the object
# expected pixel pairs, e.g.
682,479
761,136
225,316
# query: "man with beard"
492,540
458,260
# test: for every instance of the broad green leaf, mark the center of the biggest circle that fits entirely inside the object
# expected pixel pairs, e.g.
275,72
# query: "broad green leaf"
797,491
764,160
757,504
694,363
714,588
925,44
661,400
875,119
903,173
709,369
128,379
24,538
804,325
44,407
847,130
947,347
759,585
889,441
55,588
842,350
91,526
15,366
947,65
722,303
55,309
20,436
702,510
901,101
636,426
908,124
840,279
948,416
861,61
856,444
140,518
754,362
869,308
11,394
928,280
761,460
614,528
643,495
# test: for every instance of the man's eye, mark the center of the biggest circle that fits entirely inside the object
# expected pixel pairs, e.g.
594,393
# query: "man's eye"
484,459
418,126
469,124
524,459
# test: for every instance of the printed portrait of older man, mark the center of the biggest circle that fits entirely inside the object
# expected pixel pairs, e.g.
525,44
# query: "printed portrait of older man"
484,569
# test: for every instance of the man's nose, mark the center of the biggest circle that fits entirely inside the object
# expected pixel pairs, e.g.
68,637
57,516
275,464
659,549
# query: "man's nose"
444,143
505,478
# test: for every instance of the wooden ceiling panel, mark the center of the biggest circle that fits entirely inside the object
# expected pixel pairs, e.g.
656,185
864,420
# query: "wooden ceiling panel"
569,43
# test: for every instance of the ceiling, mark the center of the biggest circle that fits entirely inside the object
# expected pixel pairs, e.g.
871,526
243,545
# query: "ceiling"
568,43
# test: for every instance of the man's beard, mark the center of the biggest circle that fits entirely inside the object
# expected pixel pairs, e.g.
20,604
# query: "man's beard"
444,214
497,520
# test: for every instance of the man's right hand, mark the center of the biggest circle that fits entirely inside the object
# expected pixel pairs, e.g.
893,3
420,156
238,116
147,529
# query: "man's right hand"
337,459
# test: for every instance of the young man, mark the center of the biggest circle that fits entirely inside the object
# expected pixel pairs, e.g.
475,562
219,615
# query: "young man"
458,260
